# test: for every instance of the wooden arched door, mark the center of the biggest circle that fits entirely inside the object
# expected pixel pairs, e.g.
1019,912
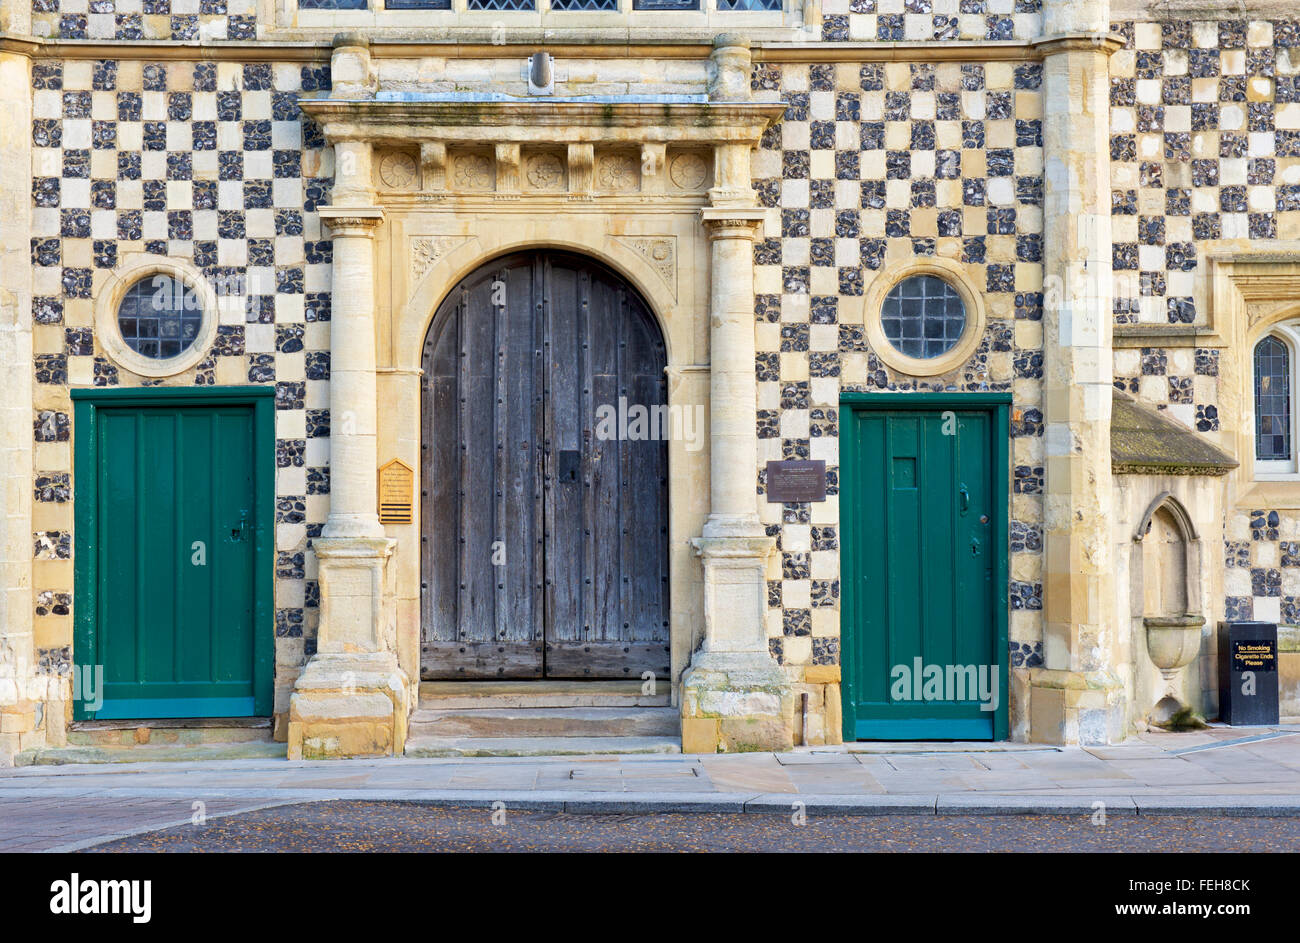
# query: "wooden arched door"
544,540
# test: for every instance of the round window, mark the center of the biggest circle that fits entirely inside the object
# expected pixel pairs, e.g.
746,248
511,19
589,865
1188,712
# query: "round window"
923,317
160,317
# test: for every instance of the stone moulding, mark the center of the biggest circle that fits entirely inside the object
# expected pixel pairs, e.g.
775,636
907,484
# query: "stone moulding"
289,47
569,122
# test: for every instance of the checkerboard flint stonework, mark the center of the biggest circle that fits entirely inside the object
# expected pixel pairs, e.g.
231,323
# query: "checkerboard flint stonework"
214,164
1205,151
875,163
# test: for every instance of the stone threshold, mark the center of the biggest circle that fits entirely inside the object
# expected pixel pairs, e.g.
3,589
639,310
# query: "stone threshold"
172,723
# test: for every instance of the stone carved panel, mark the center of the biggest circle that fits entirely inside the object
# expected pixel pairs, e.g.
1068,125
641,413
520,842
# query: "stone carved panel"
398,171
472,171
544,171
688,171
426,251
660,252
618,172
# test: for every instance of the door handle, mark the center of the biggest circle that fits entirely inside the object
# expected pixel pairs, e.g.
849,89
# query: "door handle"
240,532
965,499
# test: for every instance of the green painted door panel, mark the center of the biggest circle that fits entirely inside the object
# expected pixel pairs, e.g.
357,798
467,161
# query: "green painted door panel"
924,530
171,524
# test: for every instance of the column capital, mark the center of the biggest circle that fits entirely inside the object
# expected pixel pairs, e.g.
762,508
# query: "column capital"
723,222
352,220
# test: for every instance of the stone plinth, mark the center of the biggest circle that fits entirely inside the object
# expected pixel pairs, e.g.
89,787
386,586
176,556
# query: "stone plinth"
1083,708
353,698
350,704
734,696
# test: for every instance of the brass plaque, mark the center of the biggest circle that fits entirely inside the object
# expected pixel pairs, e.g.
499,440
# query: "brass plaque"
795,480
396,492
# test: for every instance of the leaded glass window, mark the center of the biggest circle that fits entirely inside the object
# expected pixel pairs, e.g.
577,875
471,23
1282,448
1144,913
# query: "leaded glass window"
595,6
160,317
748,5
414,4
501,5
923,316
1272,400
335,5
665,4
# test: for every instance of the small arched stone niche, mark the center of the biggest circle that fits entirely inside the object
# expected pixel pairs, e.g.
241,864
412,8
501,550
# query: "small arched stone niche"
1166,573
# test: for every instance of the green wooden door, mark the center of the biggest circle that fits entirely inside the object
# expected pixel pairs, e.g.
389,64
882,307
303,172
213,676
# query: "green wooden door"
176,528
923,511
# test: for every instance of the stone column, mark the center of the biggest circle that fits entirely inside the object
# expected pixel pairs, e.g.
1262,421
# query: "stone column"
1077,697
18,692
734,696
352,698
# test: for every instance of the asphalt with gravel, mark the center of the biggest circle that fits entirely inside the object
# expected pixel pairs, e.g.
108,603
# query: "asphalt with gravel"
346,826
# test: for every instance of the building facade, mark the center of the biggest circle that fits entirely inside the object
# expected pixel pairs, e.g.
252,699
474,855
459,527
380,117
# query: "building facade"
867,369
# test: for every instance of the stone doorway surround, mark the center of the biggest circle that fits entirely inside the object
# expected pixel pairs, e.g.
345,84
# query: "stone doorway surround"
429,188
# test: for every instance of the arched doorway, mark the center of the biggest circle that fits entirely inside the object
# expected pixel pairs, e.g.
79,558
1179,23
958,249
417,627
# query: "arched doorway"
544,515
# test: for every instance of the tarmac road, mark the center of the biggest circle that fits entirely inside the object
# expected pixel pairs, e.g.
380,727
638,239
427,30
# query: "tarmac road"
344,826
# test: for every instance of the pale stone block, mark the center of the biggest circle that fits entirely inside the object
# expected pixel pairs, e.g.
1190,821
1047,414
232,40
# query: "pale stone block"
1268,609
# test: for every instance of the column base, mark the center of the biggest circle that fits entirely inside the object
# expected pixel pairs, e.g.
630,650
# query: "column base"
348,704
736,702
1076,708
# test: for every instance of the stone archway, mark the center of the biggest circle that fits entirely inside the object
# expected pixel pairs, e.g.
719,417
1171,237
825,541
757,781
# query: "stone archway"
442,166
544,476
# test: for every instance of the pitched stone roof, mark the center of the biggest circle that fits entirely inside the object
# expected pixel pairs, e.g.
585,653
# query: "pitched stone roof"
1145,442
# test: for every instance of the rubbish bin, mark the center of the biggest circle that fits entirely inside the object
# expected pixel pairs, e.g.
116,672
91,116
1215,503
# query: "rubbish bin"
1248,673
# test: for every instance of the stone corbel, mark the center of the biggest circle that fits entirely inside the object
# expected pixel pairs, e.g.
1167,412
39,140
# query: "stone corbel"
654,169
433,165
582,158
507,158
731,176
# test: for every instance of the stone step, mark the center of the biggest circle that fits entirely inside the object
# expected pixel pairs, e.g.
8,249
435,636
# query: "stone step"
152,753
538,746
130,733
475,694
518,722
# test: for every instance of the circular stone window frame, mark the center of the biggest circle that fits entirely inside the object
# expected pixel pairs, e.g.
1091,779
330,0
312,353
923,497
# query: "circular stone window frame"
873,302
109,332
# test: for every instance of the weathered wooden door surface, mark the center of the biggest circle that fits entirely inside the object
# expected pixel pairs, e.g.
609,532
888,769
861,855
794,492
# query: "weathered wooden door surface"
544,540
922,515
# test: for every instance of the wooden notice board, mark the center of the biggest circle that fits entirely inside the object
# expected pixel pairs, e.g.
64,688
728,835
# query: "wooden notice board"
396,492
